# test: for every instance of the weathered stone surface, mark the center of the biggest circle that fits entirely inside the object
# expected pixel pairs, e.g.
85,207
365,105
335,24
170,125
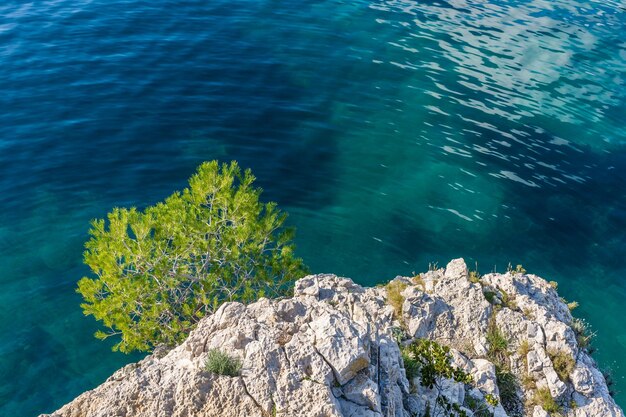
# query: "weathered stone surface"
331,351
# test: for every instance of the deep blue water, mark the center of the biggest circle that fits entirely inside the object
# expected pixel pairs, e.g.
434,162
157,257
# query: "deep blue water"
395,133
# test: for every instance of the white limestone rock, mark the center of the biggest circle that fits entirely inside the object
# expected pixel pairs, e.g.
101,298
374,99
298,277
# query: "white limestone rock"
330,351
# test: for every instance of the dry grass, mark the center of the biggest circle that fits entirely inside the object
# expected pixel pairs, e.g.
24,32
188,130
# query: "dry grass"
562,362
419,281
394,296
544,399
528,382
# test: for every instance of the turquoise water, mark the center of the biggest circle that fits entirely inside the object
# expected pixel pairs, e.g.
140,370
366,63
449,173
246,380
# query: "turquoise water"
395,133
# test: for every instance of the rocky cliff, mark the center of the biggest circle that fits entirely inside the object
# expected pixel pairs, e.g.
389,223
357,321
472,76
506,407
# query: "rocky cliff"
339,349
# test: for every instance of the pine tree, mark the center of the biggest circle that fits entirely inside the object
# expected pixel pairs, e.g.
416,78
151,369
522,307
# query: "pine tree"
160,270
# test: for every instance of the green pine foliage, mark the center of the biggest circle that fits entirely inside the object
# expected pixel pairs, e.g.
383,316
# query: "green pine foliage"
432,361
157,272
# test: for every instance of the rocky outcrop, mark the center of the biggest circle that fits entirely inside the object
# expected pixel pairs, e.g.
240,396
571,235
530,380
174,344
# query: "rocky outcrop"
335,349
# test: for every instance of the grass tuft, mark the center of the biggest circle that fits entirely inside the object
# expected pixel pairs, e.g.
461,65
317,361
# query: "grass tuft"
573,305
583,333
411,365
562,362
394,296
497,351
544,399
221,363
419,281
508,386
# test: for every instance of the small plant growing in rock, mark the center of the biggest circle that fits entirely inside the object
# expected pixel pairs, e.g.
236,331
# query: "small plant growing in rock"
554,284
583,333
419,281
498,344
394,296
528,382
506,300
431,362
519,269
448,409
491,400
411,366
562,362
480,407
474,276
572,305
508,387
399,335
490,296
522,351
434,360
544,399
524,348
529,313
221,363
506,381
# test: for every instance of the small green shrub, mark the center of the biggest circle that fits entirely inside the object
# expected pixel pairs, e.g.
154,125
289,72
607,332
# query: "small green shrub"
448,409
507,385
554,284
479,407
399,334
544,399
490,296
221,363
472,403
584,335
519,269
394,296
572,305
562,362
506,299
491,400
411,366
433,361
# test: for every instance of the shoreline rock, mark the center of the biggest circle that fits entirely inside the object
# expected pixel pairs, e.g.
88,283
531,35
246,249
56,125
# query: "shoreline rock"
335,349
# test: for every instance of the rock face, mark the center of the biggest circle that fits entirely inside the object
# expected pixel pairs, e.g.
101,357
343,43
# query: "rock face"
334,349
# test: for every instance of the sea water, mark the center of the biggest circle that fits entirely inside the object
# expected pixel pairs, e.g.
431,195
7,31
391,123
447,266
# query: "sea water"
397,134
